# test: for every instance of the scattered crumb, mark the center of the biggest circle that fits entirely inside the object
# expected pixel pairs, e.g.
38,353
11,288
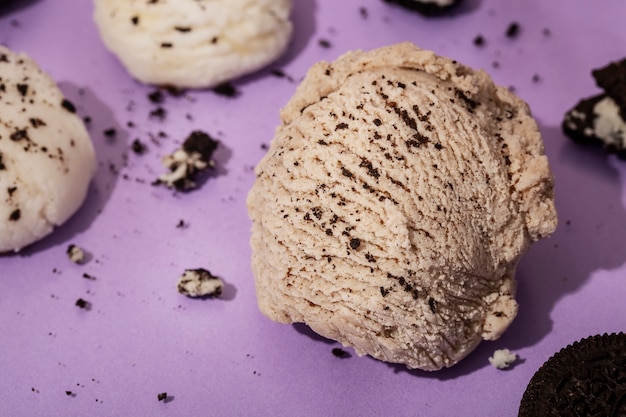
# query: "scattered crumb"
70,393
89,277
186,162
324,43
340,353
182,224
85,305
512,30
110,132
139,147
363,12
162,396
227,90
502,358
479,41
158,113
200,283
76,254
536,78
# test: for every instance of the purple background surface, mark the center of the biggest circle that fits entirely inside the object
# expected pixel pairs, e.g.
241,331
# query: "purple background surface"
221,356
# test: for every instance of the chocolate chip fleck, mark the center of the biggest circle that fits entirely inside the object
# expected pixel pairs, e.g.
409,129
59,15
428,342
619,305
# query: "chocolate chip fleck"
68,105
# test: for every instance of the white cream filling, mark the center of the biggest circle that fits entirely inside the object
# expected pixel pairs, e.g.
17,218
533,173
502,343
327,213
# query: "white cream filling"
608,124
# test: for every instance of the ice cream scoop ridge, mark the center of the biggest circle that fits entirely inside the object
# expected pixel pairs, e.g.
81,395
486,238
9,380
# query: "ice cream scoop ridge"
393,205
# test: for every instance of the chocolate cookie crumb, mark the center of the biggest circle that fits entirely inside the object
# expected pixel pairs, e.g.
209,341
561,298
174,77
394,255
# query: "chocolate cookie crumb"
340,353
425,8
185,163
76,254
138,147
513,30
162,396
324,43
226,90
200,283
479,41
85,305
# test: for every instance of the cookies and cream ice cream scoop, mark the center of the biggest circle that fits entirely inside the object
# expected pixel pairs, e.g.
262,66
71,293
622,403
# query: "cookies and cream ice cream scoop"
393,205
47,159
194,43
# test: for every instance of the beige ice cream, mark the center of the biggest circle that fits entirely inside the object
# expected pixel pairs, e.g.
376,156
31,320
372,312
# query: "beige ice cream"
394,202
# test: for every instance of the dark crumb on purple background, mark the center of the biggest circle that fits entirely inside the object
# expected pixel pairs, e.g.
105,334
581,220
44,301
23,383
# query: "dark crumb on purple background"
340,353
265,146
165,398
363,12
279,73
90,277
87,120
513,30
536,78
424,8
182,224
158,113
479,41
138,147
324,43
70,394
85,305
568,222
156,97
110,132
227,90
495,64
546,32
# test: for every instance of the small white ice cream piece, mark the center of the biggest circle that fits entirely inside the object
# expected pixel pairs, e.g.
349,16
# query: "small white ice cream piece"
47,159
194,44
502,358
200,283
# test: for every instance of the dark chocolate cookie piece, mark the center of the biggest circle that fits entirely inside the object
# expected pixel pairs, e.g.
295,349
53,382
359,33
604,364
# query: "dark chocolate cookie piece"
597,120
587,378
424,7
612,79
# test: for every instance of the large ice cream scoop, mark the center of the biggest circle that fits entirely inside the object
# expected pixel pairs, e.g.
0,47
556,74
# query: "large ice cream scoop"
394,203
47,158
194,43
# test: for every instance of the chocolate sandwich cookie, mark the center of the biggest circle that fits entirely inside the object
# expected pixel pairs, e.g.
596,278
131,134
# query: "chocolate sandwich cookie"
427,7
587,378
601,119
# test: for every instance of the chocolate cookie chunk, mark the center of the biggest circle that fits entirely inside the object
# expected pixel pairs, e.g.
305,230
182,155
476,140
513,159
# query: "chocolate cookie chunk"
427,8
601,119
587,378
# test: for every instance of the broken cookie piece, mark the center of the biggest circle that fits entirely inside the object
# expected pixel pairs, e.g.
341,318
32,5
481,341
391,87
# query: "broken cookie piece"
200,283
76,254
427,7
187,162
601,119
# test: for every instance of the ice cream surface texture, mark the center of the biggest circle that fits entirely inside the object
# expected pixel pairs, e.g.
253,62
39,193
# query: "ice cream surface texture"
194,43
394,202
47,159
